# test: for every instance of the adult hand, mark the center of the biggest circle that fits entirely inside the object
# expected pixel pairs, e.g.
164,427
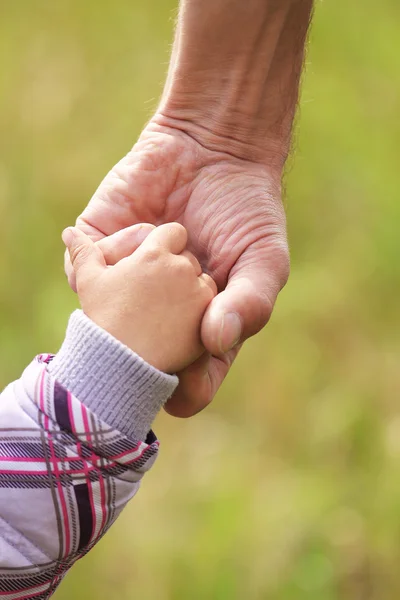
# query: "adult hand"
233,213
212,158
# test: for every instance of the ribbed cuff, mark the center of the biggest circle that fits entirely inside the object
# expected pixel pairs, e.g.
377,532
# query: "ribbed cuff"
116,384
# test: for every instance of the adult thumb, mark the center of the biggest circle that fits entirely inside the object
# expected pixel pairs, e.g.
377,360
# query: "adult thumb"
85,257
241,310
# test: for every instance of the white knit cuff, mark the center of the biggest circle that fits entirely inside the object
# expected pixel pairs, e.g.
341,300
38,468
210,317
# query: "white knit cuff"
116,384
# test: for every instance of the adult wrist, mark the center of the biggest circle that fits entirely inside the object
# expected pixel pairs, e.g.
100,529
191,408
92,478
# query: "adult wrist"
237,142
234,75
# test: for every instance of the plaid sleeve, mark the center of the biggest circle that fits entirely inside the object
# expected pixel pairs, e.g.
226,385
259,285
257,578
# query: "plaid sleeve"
64,478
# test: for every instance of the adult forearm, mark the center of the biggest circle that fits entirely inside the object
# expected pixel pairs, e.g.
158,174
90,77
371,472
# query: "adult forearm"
234,74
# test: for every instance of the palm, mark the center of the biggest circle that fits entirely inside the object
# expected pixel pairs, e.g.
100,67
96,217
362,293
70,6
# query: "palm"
236,229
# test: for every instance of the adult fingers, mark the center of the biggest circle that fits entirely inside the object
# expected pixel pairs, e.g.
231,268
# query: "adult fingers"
86,259
246,304
94,235
171,236
123,243
69,271
198,384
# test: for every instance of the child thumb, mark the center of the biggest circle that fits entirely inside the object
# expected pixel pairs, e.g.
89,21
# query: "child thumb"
84,255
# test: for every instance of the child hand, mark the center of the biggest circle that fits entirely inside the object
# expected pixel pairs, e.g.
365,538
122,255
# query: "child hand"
152,301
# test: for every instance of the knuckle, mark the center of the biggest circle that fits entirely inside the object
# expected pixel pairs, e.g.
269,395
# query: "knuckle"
282,263
153,254
79,254
276,258
177,231
187,265
176,228
183,266
265,307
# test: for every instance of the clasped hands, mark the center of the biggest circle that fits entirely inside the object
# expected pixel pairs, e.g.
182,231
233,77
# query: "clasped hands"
232,211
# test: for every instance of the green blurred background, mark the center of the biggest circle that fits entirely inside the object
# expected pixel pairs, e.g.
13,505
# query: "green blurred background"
288,486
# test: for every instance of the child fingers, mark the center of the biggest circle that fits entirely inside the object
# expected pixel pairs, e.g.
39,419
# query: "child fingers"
193,261
171,236
123,243
209,282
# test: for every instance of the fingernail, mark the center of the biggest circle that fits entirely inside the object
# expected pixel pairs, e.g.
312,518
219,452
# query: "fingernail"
231,331
67,236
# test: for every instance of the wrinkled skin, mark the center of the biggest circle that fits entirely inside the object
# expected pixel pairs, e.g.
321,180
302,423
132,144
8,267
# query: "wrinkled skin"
234,216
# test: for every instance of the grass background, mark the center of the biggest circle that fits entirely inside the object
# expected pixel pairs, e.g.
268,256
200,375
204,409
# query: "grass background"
288,486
